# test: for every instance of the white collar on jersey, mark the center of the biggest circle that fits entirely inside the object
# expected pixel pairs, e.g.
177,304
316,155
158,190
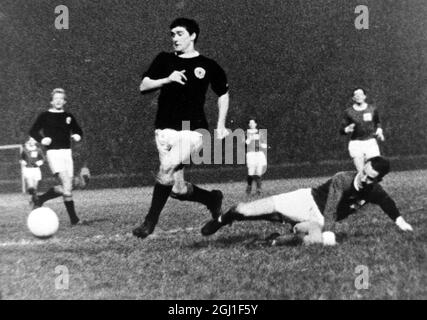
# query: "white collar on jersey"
362,107
191,54
56,110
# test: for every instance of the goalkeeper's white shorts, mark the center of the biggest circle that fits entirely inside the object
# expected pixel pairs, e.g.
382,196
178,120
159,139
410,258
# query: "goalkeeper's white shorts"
298,206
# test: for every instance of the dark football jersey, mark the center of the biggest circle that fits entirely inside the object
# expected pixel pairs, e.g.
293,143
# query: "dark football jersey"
177,102
59,126
337,198
32,156
256,139
366,121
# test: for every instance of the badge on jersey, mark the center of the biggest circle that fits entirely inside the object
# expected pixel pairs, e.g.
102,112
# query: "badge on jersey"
34,154
68,120
199,72
367,117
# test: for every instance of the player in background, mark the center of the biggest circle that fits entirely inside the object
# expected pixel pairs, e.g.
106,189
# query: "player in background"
183,77
362,122
54,129
84,175
256,160
32,158
313,212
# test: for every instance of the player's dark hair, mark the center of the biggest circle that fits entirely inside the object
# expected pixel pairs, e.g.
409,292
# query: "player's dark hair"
254,119
58,90
380,165
365,92
189,24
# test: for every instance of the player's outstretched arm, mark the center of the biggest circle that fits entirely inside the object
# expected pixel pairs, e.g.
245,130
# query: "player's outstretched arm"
223,103
380,197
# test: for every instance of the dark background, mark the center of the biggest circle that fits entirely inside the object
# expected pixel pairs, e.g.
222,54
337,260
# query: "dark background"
292,64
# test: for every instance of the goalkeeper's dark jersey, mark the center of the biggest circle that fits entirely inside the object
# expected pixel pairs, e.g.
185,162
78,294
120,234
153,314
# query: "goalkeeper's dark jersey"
59,126
337,198
177,102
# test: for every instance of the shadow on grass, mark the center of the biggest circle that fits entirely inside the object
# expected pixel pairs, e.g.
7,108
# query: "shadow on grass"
254,240
226,242
89,222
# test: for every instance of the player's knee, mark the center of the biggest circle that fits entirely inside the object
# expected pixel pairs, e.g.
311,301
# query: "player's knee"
166,173
58,189
181,189
67,197
240,208
165,178
67,192
307,227
314,238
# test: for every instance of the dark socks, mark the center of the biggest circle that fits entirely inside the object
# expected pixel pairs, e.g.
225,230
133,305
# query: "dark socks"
258,182
195,194
160,196
71,211
250,179
234,215
48,195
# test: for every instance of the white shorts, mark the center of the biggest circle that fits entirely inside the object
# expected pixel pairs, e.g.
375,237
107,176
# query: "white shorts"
175,147
364,148
32,173
60,160
255,159
298,206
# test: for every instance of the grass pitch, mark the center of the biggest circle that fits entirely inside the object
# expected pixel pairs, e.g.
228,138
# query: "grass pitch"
104,261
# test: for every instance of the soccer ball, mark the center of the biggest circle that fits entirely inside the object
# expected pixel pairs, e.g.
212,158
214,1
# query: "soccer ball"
43,222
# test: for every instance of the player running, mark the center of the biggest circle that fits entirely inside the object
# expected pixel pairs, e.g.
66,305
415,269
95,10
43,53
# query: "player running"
256,160
362,122
313,210
55,129
32,158
183,77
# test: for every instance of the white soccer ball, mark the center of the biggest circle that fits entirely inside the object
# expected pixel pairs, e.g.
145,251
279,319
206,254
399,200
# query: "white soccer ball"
43,222
329,238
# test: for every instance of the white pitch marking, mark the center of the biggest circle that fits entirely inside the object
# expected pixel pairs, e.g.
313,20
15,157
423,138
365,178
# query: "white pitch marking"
117,237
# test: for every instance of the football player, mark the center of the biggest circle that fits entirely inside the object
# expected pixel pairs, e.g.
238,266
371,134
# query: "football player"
55,129
82,179
362,122
256,160
313,211
183,77
32,158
